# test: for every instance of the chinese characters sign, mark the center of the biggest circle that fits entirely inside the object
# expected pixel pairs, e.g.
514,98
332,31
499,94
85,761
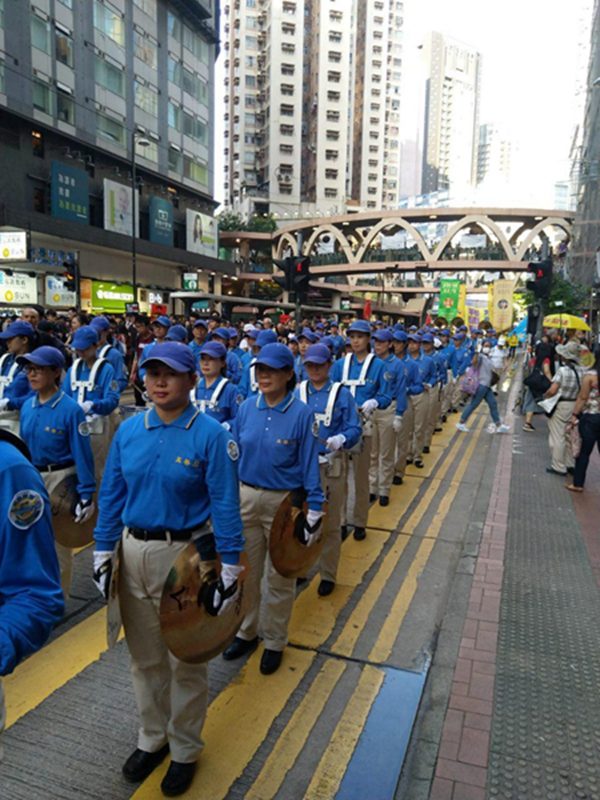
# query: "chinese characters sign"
69,193
56,294
161,221
13,245
17,288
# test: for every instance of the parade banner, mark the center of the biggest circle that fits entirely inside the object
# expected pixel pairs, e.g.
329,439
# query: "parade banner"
502,305
449,298
462,301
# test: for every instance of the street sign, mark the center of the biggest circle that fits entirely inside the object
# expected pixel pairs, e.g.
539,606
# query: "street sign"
190,281
13,245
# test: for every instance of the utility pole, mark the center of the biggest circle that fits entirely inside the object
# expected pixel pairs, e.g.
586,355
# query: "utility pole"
298,298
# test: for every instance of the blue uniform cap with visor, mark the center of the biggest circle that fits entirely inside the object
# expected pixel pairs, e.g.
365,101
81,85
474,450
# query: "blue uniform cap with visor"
384,335
100,323
308,334
214,350
400,336
84,337
414,337
200,323
266,337
43,357
162,320
222,333
276,356
317,354
177,333
360,326
174,355
427,338
18,328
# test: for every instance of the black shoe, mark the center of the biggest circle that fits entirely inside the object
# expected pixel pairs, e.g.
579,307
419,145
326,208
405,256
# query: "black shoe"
140,764
438,430
325,588
239,647
360,534
344,532
426,450
301,581
270,661
444,418
527,426
178,778
384,501
419,463
397,480
571,470
372,498
409,461
555,471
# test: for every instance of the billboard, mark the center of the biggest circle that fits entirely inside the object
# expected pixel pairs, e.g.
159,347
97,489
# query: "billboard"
69,193
18,288
161,221
55,293
111,297
13,245
118,211
202,233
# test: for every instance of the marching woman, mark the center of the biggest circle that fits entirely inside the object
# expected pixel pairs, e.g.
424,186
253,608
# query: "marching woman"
14,386
170,479
214,394
53,428
279,453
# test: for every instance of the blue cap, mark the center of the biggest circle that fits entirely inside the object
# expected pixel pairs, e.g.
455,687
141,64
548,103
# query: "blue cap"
233,333
214,350
444,332
427,338
317,354
384,335
413,328
413,337
400,336
222,333
175,355
379,323
328,341
43,357
334,323
84,337
308,334
320,326
267,336
162,320
200,323
276,355
252,333
177,333
463,328
360,326
459,336
17,328
100,323
292,338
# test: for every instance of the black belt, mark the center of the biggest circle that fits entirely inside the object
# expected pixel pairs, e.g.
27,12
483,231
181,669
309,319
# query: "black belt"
567,400
164,535
55,467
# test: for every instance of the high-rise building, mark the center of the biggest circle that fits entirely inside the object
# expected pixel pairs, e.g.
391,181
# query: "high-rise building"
494,156
85,87
451,114
312,105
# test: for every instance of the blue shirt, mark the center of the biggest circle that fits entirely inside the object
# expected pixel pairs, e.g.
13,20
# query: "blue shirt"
390,374
414,381
344,419
375,384
227,404
173,476
233,366
278,447
405,374
245,387
195,348
18,390
104,395
52,432
338,343
115,358
460,359
31,599
426,368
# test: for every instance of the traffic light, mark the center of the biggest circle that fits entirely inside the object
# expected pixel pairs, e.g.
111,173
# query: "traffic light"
301,275
543,278
70,276
286,280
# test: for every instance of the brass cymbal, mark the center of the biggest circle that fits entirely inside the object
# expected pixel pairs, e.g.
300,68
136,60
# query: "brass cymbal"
63,500
289,556
113,609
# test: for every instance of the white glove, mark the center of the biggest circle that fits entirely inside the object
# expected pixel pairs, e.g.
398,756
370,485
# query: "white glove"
312,527
226,425
4,404
103,565
397,424
369,406
84,510
86,406
226,590
336,442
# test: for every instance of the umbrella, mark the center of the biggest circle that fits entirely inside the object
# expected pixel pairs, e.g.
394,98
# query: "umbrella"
566,321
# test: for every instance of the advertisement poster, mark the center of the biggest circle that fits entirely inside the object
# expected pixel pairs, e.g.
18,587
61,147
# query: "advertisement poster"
118,213
161,221
18,288
449,298
85,295
13,245
202,233
111,297
69,193
502,305
56,294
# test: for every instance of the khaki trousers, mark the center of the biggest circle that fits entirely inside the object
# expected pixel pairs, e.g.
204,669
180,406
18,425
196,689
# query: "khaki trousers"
360,465
65,554
403,438
333,481
557,424
171,695
433,413
100,443
383,447
457,393
447,393
2,719
258,508
9,420
420,406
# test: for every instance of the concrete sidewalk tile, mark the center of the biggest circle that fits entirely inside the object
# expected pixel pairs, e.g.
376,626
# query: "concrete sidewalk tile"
474,747
461,773
482,687
441,789
470,704
453,724
479,721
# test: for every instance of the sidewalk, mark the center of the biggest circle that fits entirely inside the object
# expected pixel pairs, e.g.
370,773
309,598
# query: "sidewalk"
523,717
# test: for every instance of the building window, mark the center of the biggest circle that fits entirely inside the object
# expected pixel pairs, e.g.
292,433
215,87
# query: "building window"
40,34
331,192
195,86
145,49
150,152
334,56
110,76
195,128
175,160
288,28
109,22
250,81
331,174
174,67
288,47
65,107
286,110
289,8
287,89
37,144
146,98
286,130
63,45
288,149
251,43
174,26
195,44
174,117
42,99
333,97
331,155
335,36
195,171
333,136
110,129
287,69
148,6
333,116
334,77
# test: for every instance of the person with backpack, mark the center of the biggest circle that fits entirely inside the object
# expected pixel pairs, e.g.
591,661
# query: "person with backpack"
478,381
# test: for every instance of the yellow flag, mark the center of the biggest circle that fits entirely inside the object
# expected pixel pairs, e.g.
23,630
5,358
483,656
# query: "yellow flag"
502,305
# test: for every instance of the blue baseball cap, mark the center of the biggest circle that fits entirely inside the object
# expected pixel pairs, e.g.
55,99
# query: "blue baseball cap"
308,334
200,323
233,333
400,336
384,335
177,333
333,323
100,324
214,350
276,356
162,320
459,336
463,328
328,341
17,328
360,326
175,355
267,336
252,333
444,332
222,333
427,338
413,329
84,337
413,337
320,326
317,354
43,357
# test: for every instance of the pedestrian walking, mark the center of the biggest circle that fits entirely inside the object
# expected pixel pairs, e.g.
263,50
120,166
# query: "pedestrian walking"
566,383
482,366
586,414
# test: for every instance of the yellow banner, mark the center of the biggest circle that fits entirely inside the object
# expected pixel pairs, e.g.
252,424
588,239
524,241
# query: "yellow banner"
462,302
502,305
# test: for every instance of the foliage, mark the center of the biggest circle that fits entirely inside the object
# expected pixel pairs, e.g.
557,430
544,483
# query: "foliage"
231,221
261,224
573,296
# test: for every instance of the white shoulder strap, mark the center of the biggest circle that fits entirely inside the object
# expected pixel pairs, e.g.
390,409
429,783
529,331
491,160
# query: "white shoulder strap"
79,386
213,403
104,350
303,391
6,380
333,394
354,383
253,381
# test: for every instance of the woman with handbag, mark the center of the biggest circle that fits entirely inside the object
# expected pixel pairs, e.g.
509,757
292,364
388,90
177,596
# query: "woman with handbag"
537,382
587,415
566,384
482,371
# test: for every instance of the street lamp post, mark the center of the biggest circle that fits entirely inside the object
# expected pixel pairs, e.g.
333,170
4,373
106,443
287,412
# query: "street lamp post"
136,139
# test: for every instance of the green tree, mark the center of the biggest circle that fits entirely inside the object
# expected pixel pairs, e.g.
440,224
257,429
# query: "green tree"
261,224
573,296
231,221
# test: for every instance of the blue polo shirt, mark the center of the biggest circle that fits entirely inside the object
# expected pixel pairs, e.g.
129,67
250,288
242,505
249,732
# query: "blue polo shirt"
18,390
375,384
344,419
227,403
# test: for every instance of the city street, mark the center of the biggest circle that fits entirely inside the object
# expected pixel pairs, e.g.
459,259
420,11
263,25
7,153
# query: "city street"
455,659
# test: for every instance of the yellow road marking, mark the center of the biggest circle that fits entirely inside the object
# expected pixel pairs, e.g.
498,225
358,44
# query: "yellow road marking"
47,670
334,761
289,745
389,630
386,518
314,617
237,723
